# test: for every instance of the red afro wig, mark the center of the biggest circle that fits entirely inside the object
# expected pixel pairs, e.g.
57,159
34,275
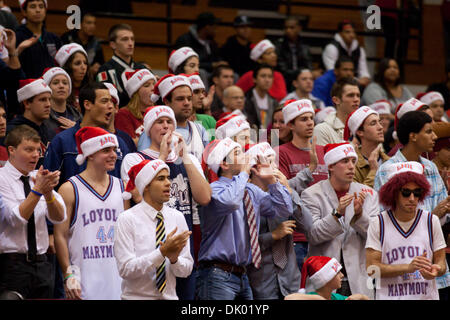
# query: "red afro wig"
389,191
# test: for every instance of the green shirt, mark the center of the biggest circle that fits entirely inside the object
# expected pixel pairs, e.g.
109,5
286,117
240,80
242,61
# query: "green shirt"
209,123
334,296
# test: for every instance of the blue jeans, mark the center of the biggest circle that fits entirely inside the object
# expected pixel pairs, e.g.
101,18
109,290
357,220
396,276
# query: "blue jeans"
216,284
301,251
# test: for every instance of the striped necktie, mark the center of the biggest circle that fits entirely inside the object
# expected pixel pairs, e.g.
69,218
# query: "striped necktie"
251,220
160,236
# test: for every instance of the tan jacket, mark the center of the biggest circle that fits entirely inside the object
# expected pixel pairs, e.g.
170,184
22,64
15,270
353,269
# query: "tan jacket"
363,174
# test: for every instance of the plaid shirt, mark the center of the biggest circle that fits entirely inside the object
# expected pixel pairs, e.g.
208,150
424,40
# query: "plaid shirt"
438,191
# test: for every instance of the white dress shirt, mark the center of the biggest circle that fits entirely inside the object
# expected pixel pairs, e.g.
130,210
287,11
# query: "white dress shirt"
137,257
13,227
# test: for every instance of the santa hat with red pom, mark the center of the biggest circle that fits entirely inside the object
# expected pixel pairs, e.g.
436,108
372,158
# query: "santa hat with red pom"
410,105
230,126
335,152
167,84
30,88
382,106
156,112
216,151
195,81
356,119
177,57
136,79
50,73
320,271
259,49
113,92
142,174
430,97
294,108
92,139
66,51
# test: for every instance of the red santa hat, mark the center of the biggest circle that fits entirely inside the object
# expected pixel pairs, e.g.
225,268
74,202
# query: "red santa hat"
113,92
323,113
23,2
30,88
50,73
382,106
262,149
294,108
66,51
92,139
195,81
259,49
398,174
167,84
430,97
334,152
142,174
216,151
136,79
230,125
356,119
177,57
320,271
156,112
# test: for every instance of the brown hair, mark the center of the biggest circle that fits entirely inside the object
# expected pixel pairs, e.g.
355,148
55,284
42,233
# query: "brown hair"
134,106
20,133
112,34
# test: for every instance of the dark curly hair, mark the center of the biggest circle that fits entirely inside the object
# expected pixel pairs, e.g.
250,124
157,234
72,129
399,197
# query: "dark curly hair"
389,191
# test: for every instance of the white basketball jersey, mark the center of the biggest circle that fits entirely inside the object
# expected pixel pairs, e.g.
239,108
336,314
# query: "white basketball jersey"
91,238
400,247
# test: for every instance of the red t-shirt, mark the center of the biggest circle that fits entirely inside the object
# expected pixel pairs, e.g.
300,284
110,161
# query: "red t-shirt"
3,156
292,160
278,90
127,122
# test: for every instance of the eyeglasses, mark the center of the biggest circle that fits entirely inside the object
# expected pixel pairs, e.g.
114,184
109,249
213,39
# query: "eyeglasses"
407,192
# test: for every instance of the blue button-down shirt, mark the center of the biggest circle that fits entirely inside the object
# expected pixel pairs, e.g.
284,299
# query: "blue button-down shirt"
438,191
225,232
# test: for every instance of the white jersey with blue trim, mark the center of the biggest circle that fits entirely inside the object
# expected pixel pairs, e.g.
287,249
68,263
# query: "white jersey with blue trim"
400,247
91,238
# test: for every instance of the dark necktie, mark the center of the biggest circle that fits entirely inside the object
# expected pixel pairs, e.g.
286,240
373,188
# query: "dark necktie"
31,227
160,236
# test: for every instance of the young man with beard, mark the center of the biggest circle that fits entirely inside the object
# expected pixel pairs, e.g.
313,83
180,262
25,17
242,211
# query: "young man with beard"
340,210
346,98
94,201
364,124
151,245
405,244
189,186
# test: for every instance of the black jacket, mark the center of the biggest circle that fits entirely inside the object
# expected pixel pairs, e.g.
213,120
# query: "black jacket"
237,55
39,56
253,112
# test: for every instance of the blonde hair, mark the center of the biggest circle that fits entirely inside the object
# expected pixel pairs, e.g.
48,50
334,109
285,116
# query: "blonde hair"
135,106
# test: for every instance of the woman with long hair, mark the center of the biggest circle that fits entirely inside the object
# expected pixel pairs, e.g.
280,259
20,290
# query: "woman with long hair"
387,85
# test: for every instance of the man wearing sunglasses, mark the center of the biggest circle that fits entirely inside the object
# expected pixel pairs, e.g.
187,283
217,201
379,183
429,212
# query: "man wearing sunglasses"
405,244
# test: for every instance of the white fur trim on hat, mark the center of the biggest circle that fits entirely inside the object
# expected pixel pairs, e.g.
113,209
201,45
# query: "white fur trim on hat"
338,153
260,48
410,105
382,107
220,151
196,82
95,144
325,274
179,56
112,91
169,84
66,51
400,167
232,127
297,108
32,89
431,97
155,113
322,114
53,72
356,119
138,80
148,173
